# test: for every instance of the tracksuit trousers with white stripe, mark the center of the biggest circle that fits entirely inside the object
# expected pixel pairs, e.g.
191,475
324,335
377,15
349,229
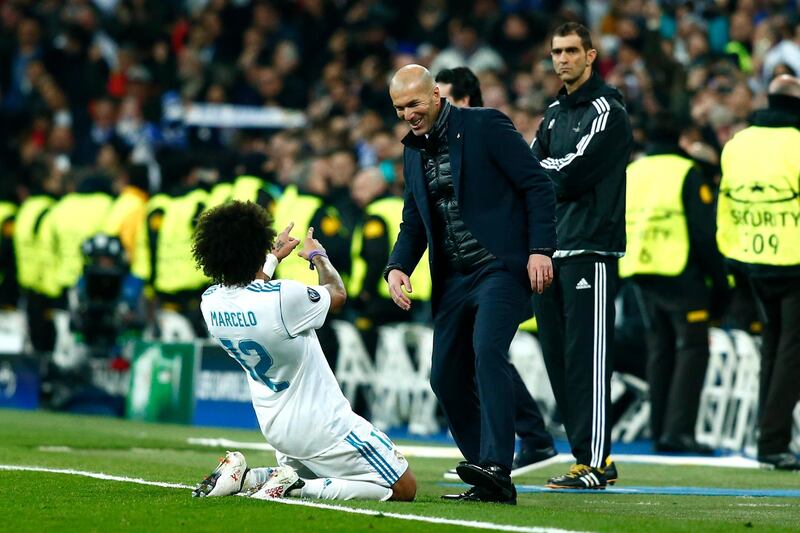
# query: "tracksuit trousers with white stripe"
576,332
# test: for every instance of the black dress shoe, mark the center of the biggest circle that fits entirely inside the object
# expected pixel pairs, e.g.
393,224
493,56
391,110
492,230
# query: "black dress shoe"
453,470
529,455
480,494
780,461
492,478
682,444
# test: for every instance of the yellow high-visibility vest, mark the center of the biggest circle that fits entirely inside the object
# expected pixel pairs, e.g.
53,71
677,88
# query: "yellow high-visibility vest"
758,213
300,209
75,218
390,210
219,194
655,218
27,247
245,188
175,269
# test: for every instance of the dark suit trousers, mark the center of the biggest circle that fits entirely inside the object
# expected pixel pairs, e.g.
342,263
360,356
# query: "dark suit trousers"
471,376
576,331
528,419
779,388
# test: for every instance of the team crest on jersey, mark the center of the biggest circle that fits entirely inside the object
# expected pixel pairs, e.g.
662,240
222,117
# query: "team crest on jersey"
313,295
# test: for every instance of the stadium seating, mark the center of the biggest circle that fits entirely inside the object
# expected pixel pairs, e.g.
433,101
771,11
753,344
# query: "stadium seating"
354,369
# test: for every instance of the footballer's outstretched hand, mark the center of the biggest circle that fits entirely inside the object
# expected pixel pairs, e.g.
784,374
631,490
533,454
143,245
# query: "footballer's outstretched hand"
284,243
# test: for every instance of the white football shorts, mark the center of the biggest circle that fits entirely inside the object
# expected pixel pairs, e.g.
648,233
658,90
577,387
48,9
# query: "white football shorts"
365,454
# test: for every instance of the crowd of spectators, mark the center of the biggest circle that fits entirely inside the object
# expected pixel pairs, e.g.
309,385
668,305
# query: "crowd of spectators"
296,91
86,86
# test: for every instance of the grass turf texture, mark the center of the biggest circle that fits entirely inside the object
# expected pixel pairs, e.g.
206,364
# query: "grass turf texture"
47,501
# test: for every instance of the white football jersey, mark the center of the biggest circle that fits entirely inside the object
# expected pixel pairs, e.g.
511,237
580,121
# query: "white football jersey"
268,327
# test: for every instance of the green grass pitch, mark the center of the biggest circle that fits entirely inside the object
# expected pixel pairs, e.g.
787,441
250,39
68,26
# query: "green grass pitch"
39,501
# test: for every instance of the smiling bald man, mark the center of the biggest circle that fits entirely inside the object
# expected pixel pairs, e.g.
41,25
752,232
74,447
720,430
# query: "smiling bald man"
481,204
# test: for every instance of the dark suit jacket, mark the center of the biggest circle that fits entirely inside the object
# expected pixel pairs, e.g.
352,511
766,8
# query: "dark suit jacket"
506,199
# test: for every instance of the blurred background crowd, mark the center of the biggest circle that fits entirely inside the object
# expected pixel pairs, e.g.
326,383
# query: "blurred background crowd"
130,117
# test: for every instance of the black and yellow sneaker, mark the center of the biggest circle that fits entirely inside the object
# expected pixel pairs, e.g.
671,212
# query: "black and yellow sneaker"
610,471
579,477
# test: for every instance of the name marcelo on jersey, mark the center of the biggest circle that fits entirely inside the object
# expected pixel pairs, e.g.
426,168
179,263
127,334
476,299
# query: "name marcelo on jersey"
233,320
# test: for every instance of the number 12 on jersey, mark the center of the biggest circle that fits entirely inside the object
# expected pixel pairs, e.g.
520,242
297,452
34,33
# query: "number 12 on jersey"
257,371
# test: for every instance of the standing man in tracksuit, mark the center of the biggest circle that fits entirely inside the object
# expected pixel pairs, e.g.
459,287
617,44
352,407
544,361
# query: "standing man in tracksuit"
583,143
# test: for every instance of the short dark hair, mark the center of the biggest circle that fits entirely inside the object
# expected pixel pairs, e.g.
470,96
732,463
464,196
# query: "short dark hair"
464,83
231,242
573,28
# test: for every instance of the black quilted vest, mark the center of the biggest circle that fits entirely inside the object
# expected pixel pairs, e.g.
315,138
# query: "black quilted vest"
457,245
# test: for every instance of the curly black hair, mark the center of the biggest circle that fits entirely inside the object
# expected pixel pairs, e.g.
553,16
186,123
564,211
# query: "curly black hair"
231,242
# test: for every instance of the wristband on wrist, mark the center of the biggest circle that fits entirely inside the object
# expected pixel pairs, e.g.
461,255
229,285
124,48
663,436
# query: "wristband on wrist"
312,255
270,265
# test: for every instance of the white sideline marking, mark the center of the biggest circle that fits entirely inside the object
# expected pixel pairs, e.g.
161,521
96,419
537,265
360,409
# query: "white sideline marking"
764,504
431,452
96,475
304,503
57,449
731,461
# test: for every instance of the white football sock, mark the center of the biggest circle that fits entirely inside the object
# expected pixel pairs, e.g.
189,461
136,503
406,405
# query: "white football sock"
342,489
255,477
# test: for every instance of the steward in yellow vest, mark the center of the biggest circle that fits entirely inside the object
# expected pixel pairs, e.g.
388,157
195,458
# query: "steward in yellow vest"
175,275
373,240
163,253
307,209
9,288
32,266
671,256
76,217
758,220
